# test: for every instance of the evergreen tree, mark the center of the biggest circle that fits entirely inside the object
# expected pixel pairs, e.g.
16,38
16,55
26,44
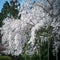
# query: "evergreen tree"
1,18
5,9
4,12
14,8
9,10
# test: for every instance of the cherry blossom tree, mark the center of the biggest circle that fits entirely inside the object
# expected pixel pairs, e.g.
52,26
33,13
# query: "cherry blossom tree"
17,32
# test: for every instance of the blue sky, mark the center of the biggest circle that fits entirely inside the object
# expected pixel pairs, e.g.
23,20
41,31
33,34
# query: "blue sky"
3,1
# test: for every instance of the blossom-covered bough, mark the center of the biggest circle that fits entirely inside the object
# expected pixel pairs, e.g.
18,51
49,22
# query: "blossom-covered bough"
17,32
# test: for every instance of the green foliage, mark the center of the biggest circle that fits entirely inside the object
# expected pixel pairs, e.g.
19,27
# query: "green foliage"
42,43
14,8
32,57
35,57
5,9
25,56
4,12
1,19
41,46
9,10
5,58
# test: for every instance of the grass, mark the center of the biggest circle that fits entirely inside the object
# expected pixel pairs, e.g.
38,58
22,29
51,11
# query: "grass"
5,58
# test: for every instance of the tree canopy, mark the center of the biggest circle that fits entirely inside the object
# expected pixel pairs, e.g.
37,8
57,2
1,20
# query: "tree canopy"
9,10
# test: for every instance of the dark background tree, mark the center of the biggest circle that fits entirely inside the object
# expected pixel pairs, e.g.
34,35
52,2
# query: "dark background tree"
5,9
9,10
14,8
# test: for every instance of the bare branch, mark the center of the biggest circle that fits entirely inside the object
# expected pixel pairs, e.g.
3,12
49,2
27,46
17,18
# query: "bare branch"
44,9
49,3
